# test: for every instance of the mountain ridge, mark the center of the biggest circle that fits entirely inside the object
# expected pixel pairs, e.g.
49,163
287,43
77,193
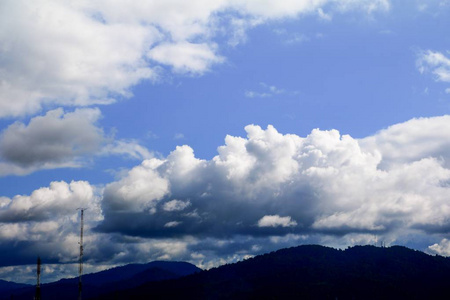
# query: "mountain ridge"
112,280
10,285
313,272
306,272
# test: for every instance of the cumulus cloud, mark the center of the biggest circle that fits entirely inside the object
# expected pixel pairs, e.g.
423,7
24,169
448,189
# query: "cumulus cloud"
60,198
84,53
323,183
46,223
55,138
411,141
441,248
54,52
260,192
60,139
139,190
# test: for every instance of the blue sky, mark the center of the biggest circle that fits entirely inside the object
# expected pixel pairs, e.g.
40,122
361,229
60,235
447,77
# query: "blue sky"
141,111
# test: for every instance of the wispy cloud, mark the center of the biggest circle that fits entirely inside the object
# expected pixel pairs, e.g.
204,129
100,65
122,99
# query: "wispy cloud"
324,16
151,135
290,38
435,63
267,91
178,136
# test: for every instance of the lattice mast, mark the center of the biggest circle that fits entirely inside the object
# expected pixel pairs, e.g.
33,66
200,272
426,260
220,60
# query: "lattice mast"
37,295
80,260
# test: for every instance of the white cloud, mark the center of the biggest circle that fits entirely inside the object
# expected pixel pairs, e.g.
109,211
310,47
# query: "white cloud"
130,148
411,141
325,182
369,6
435,62
60,139
275,221
324,16
441,248
57,139
46,223
260,192
267,91
139,190
186,57
253,94
290,38
422,7
54,52
85,53
176,205
297,38
178,136
47,203
172,224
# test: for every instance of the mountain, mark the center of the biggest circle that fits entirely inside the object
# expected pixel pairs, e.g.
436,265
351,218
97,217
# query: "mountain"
312,272
6,286
112,280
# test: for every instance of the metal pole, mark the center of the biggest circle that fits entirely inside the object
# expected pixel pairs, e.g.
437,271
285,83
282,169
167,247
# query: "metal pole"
80,262
37,295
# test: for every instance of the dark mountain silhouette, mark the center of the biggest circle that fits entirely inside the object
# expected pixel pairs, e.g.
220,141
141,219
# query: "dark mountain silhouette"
312,272
6,286
111,281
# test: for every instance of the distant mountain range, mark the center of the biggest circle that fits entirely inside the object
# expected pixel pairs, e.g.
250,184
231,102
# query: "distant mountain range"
108,281
6,286
312,272
303,272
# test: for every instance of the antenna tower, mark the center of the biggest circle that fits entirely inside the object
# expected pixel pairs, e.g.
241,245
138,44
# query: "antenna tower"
80,260
37,295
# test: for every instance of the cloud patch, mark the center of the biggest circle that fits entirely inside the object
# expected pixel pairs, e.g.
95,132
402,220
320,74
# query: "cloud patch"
275,221
259,193
324,183
411,141
91,53
176,205
56,139
441,248
60,139
60,198
267,91
186,57
436,63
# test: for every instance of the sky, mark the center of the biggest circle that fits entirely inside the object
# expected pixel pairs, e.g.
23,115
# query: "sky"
210,131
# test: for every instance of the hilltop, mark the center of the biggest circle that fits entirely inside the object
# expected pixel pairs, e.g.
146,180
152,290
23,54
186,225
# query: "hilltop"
312,272
112,280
